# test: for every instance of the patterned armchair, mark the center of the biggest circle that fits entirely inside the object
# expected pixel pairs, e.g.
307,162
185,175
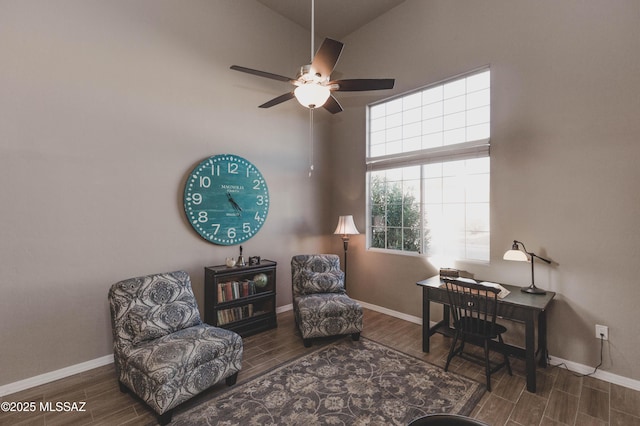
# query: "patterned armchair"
320,303
162,351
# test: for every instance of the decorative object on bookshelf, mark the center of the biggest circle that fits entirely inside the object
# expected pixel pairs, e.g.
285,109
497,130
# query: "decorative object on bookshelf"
230,262
254,260
243,298
261,280
240,261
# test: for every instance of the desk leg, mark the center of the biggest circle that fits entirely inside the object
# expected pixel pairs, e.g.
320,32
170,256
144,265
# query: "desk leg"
530,348
426,314
542,339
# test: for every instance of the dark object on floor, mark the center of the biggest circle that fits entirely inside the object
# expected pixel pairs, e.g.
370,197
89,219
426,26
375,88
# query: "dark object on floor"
446,420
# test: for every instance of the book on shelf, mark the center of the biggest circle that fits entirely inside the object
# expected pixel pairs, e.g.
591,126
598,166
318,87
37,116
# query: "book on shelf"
225,316
232,290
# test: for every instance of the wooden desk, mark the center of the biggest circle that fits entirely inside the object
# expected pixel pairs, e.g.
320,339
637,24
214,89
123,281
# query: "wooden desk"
517,306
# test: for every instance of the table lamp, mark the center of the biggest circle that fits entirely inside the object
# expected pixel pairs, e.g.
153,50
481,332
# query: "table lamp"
345,228
521,256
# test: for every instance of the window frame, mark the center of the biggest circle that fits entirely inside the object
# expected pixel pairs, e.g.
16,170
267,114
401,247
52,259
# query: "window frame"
479,148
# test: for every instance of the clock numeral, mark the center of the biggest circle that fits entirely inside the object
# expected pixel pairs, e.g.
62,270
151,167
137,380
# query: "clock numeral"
257,216
260,201
203,217
231,233
232,168
256,184
246,227
217,228
215,170
205,181
197,198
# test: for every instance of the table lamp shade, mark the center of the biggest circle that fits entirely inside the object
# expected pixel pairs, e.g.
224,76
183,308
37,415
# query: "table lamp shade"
523,256
517,255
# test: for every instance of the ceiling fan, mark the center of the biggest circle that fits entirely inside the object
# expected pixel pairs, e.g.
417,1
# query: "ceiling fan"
313,82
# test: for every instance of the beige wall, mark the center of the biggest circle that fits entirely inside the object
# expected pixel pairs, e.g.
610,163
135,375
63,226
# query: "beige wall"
564,152
106,105
104,108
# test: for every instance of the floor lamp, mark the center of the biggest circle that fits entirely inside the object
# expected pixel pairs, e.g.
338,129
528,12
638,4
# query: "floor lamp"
521,255
345,228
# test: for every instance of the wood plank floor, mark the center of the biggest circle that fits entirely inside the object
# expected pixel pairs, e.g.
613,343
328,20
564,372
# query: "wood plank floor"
562,399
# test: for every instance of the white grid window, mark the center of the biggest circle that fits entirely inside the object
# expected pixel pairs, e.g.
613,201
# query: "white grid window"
428,170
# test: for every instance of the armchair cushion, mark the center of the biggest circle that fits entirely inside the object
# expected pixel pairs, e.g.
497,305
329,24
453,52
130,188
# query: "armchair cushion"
153,322
321,282
328,314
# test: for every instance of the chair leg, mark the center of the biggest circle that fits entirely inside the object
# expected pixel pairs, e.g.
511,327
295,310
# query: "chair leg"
355,337
231,380
122,387
506,356
451,351
487,366
307,343
165,418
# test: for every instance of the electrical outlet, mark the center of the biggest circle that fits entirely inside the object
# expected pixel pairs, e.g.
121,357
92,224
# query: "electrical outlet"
602,331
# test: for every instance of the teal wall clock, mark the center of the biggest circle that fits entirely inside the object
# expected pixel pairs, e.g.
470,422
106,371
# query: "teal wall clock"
226,199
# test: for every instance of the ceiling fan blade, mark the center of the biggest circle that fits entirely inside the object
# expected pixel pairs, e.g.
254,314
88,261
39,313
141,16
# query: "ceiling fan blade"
327,57
275,101
332,105
261,73
362,84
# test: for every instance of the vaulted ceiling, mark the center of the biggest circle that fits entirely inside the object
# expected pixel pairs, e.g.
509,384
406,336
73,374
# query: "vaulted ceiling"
333,18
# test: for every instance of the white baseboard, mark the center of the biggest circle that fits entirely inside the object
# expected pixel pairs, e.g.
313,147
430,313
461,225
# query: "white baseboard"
599,374
285,308
108,359
391,313
54,375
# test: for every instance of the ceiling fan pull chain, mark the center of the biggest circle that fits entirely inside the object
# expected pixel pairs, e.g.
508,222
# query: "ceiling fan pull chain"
310,142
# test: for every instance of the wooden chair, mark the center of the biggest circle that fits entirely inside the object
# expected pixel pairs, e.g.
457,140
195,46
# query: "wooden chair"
474,309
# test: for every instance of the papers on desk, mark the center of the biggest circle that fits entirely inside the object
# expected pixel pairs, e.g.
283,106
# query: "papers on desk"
503,291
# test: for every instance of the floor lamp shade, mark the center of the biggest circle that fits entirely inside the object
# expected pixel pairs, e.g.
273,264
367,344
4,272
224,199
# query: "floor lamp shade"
346,227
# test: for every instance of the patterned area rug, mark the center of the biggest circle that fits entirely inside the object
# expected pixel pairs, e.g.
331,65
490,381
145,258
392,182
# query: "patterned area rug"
344,383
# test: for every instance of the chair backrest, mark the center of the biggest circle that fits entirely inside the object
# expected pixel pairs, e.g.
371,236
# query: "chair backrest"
149,307
473,306
316,273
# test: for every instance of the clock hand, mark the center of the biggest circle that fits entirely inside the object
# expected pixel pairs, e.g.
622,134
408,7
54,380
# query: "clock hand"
235,205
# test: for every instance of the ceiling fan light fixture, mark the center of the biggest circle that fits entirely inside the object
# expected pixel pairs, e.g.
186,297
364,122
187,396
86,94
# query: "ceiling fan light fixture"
312,95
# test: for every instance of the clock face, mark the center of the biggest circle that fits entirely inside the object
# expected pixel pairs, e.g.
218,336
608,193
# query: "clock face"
226,199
